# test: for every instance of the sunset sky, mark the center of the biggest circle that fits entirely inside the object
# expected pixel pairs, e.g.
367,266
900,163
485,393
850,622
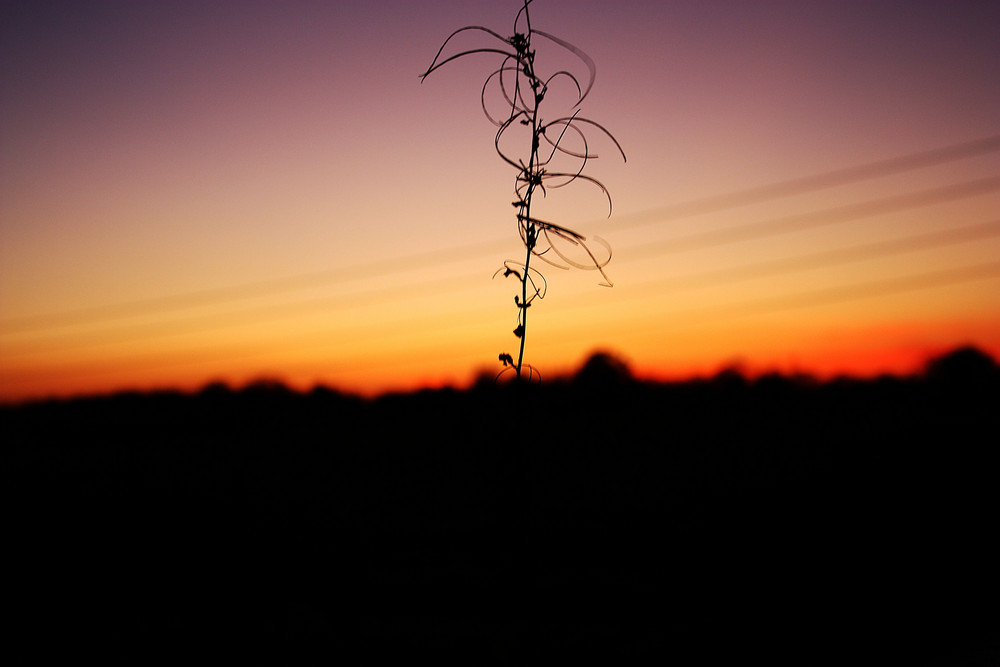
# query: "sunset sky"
200,191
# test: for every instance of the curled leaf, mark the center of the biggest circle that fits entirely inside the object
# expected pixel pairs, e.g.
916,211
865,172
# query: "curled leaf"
591,67
521,89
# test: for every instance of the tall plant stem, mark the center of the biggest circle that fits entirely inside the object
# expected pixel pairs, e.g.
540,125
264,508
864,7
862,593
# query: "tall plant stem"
530,236
531,231
523,90
524,289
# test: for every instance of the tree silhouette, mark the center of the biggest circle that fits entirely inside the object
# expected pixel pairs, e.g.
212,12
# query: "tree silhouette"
553,144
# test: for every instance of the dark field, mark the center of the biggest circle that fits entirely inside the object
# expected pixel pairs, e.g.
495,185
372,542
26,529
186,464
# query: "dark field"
712,522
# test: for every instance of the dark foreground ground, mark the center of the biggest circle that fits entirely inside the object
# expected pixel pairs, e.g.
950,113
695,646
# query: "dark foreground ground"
705,523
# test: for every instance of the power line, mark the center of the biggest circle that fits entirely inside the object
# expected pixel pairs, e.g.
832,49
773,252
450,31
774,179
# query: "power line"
722,312
247,316
725,201
765,228
835,215
828,258
806,184
813,298
245,291
858,291
768,268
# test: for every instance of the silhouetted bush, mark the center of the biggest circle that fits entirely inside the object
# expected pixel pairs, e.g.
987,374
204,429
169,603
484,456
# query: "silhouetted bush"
603,370
966,367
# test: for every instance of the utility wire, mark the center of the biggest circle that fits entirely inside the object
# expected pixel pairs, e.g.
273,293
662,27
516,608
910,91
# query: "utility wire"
710,238
828,258
693,317
769,268
254,315
725,201
830,216
245,291
807,184
722,312
705,239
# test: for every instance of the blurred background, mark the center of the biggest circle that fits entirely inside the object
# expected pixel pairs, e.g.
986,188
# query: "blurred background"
205,191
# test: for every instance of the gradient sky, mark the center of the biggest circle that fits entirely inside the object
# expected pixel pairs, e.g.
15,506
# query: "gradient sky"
196,191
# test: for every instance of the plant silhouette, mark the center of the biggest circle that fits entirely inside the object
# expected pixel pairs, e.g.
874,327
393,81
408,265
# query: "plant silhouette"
553,144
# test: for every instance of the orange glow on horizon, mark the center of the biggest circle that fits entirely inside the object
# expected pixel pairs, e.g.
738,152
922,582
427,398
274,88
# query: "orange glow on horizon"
278,196
857,355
